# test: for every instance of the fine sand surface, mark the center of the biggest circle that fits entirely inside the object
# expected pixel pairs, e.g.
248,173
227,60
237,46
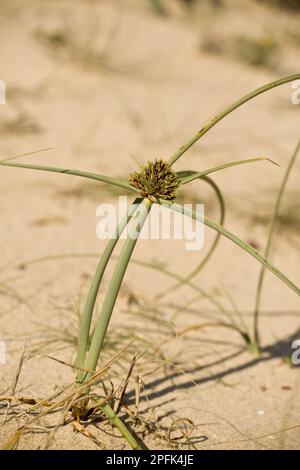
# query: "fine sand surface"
101,81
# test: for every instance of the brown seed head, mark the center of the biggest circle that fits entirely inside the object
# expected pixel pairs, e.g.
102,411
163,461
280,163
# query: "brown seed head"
155,179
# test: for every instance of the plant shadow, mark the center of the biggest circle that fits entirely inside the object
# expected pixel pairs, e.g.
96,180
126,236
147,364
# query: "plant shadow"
280,349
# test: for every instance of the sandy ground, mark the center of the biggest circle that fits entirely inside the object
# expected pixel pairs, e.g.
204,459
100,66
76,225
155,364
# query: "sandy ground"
101,81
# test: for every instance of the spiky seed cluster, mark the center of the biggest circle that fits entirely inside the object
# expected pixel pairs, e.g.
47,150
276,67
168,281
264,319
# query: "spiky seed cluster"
155,179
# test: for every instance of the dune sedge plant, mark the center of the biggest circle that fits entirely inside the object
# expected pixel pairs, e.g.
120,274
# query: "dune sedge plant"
157,182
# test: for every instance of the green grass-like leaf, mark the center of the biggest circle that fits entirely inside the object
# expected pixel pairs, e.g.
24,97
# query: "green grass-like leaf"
218,228
67,171
236,104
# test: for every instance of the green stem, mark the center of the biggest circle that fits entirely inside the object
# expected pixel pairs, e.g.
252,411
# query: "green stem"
221,222
146,264
256,338
223,231
114,419
114,287
213,121
87,313
195,175
200,266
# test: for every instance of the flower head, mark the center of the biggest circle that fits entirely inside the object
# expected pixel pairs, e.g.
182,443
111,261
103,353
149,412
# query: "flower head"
155,179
